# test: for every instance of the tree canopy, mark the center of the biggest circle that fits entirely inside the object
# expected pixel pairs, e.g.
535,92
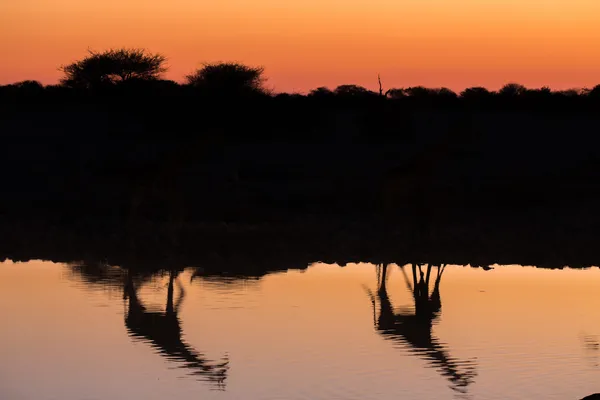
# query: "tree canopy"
354,91
512,90
137,73
321,92
475,93
228,78
113,66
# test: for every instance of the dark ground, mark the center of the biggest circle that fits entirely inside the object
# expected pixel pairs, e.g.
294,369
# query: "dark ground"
307,185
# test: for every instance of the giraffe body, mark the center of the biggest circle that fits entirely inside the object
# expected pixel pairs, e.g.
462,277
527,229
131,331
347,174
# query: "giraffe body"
157,191
410,191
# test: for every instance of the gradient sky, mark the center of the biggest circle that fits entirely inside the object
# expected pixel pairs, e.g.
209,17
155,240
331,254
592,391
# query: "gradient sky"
308,43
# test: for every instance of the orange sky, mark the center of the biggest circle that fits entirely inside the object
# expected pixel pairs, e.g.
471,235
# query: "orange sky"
308,43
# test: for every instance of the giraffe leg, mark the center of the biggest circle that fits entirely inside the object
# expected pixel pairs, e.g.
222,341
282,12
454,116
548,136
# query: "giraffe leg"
415,281
132,223
175,218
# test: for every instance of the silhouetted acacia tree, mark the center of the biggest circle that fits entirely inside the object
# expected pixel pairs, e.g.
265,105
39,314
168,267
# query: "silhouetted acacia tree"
396,93
512,90
321,92
113,66
475,94
24,90
228,79
353,90
445,93
420,92
29,85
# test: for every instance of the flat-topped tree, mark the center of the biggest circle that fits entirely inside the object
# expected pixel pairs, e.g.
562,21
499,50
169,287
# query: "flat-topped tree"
228,79
321,92
354,91
512,90
24,89
395,93
476,93
113,66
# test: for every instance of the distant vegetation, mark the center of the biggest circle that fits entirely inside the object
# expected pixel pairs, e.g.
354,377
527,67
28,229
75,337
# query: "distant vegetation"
114,141
136,72
113,67
228,79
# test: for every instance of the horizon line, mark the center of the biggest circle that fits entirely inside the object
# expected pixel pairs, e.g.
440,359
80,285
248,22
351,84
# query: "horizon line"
273,90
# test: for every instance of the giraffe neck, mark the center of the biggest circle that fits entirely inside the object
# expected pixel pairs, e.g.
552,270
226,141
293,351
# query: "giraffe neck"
161,180
436,154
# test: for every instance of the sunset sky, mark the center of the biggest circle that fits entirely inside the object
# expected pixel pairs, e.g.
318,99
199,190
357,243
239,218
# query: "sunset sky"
304,44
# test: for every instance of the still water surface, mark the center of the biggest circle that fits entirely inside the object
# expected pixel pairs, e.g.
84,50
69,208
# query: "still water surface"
329,332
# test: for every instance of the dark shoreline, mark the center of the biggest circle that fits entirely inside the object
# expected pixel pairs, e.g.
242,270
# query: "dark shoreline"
257,249
308,179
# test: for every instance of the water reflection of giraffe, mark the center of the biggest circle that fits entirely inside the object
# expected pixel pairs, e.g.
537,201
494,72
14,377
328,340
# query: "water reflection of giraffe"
163,331
160,329
414,329
591,345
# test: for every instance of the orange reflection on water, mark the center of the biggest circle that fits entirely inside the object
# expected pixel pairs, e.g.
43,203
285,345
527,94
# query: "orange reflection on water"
526,332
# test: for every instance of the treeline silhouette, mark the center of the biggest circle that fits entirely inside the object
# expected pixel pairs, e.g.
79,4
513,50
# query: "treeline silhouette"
135,73
128,84
511,95
132,78
379,111
115,148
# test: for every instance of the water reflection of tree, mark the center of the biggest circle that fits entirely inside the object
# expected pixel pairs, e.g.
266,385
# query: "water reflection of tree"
414,329
160,329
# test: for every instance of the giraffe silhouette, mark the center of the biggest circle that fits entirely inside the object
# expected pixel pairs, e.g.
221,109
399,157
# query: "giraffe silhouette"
157,189
414,329
162,330
409,193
